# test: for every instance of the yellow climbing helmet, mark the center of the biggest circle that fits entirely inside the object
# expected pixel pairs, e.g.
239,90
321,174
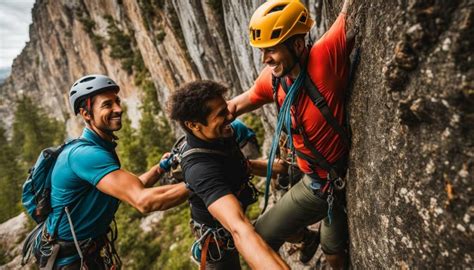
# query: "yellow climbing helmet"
277,20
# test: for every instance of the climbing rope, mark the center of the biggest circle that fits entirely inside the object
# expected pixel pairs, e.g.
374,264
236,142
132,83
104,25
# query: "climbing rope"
284,118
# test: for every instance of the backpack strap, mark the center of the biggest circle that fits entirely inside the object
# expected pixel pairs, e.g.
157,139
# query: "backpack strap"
201,150
318,158
320,102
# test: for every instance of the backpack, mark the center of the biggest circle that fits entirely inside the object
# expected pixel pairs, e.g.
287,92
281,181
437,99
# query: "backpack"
172,165
245,137
37,187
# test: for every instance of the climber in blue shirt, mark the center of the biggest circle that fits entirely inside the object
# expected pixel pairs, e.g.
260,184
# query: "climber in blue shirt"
88,184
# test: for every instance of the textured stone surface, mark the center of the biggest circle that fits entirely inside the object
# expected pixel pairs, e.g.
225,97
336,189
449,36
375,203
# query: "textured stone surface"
411,169
12,233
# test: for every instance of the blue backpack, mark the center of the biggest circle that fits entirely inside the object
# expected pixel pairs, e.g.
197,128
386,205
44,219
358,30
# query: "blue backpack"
37,187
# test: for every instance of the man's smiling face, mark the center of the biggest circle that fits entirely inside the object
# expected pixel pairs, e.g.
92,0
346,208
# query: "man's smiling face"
106,112
279,59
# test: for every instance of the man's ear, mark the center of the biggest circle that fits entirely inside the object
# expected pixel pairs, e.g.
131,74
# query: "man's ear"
299,45
85,114
193,126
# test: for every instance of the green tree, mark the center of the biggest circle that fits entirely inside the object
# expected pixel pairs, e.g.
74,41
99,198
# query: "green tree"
137,249
155,136
254,122
11,177
131,152
33,131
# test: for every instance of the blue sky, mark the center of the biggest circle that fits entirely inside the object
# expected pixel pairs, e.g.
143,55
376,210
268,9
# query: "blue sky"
15,18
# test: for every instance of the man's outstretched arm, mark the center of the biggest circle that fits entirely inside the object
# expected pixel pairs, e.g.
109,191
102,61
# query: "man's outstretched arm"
242,104
256,252
346,5
128,188
351,30
258,167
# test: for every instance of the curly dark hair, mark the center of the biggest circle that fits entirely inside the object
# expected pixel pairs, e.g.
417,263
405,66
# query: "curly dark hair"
188,103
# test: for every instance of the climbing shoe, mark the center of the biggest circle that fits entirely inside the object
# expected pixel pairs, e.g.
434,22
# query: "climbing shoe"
310,245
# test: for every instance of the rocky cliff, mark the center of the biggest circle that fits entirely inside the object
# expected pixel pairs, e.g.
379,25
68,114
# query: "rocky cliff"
411,169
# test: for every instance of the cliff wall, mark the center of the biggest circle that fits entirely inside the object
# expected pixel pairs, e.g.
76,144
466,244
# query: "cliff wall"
411,109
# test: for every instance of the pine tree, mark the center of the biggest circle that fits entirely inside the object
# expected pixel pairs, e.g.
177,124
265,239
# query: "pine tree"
11,177
33,131
131,152
155,136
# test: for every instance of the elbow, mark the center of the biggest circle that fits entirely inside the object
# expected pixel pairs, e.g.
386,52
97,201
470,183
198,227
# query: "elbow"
145,205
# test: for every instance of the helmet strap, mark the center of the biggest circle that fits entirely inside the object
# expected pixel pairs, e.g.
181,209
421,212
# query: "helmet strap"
296,59
88,104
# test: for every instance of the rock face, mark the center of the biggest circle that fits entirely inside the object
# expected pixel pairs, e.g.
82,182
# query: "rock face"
12,233
411,169
411,108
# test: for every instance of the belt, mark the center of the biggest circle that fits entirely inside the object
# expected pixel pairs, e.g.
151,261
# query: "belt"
88,246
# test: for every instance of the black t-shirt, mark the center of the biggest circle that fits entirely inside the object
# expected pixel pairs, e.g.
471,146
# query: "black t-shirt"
211,176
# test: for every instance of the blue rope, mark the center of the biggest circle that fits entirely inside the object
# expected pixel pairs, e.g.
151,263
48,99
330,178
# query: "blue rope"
284,118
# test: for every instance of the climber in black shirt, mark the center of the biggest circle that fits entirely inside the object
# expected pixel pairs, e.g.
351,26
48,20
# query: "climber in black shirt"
218,174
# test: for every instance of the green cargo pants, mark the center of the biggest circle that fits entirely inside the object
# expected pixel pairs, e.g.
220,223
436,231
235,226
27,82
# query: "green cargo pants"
298,208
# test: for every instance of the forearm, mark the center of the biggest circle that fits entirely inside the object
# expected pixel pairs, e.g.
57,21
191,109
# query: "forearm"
345,6
162,197
151,176
350,27
241,104
254,250
259,167
227,210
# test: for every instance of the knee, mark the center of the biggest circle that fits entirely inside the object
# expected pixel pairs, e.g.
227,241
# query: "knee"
271,237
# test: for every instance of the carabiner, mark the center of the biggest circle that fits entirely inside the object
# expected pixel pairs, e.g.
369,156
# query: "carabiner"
339,183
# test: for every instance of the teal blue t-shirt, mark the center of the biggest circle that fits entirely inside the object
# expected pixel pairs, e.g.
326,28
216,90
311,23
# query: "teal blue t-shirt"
78,169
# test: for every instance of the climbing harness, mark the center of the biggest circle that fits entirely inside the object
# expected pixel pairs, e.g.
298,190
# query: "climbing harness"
212,243
47,248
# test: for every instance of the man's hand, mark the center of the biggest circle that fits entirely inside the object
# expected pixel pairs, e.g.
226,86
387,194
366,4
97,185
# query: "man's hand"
232,108
164,164
280,166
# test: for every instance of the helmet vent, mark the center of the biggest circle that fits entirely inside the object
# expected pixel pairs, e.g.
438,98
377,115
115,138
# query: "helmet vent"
89,88
72,93
255,33
303,18
87,79
277,8
275,33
